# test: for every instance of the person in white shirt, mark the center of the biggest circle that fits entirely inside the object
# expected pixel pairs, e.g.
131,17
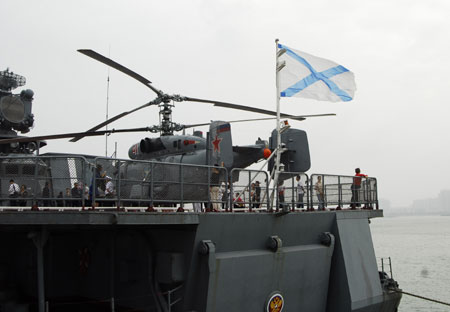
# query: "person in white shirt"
13,191
110,192
109,189
87,201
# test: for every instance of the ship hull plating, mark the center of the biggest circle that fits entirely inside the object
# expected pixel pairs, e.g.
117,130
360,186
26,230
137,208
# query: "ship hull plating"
119,261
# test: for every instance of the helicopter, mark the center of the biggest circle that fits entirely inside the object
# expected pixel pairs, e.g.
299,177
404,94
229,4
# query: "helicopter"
216,149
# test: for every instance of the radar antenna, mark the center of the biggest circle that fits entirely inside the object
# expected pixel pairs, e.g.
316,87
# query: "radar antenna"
9,81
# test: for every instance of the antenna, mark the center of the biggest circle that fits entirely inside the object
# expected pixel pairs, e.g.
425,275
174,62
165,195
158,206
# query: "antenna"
114,155
107,106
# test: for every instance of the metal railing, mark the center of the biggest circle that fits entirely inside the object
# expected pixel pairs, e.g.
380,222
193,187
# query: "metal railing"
249,190
78,182
384,265
45,181
337,191
292,192
150,184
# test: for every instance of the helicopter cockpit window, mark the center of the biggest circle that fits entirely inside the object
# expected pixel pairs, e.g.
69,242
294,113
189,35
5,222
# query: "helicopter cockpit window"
151,145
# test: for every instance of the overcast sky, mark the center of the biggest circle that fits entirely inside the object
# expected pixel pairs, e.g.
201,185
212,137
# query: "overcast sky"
395,129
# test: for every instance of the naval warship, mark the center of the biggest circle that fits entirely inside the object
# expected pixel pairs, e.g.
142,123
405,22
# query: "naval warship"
161,241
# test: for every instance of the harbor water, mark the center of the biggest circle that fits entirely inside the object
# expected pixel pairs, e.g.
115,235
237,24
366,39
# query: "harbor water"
419,247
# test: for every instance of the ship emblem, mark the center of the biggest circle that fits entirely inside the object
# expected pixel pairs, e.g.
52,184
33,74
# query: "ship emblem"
275,303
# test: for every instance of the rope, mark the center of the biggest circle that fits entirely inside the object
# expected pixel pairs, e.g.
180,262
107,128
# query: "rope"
421,297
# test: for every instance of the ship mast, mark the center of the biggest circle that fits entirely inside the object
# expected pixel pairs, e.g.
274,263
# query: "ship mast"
277,168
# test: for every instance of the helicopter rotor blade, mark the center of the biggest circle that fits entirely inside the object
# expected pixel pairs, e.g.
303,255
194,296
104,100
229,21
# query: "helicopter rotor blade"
196,125
236,106
142,129
121,68
70,135
234,121
314,115
268,118
107,122
298,118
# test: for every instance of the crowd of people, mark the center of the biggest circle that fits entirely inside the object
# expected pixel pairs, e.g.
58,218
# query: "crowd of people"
102,186
71,197
220,196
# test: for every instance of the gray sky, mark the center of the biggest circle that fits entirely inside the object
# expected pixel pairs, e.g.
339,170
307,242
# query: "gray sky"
395,129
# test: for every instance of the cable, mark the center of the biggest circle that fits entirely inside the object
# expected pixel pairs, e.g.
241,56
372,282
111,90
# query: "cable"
421,297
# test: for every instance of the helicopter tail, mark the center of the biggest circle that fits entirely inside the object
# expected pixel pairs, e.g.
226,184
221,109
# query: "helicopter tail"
220,144
296,158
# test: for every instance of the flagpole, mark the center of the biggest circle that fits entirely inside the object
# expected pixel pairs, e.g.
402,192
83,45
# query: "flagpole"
278,150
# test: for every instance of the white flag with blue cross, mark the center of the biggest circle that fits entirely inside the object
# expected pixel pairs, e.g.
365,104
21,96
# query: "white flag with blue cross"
308,76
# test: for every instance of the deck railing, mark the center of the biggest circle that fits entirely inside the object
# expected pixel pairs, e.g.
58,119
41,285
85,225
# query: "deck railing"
78,182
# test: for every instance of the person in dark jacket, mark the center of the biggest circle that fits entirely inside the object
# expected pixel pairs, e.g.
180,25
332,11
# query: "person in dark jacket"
76,195
46,194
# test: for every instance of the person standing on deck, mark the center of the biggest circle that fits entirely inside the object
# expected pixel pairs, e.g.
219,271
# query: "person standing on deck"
356,187
258,194
281,190
68,196
253,195
225,196
110,191
300,192
76,193
23,195
318,187
46,194
109,188
13,192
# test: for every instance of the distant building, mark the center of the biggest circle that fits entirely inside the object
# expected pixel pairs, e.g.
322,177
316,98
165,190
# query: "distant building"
433,206
423,206
428,206
444,201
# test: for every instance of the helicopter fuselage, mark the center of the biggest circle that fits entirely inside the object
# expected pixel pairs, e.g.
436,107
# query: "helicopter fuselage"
191,149
161,147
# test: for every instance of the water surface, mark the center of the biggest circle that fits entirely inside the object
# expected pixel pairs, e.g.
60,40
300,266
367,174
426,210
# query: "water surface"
419,247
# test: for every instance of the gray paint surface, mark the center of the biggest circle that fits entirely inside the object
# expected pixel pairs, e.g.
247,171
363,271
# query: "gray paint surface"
360,262
138,255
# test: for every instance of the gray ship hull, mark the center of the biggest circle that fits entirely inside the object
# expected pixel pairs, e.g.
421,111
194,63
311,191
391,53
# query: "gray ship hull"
147,261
